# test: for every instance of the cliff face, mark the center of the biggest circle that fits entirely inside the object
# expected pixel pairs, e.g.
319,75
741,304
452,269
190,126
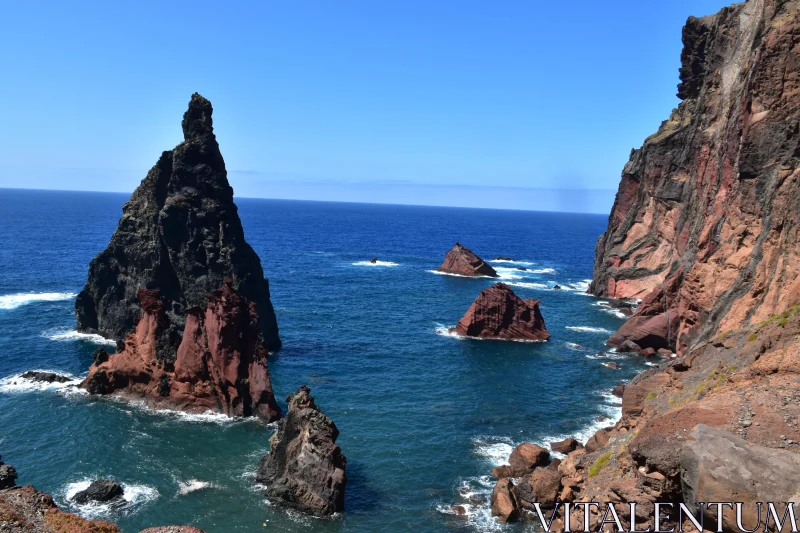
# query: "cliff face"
179,233
705,223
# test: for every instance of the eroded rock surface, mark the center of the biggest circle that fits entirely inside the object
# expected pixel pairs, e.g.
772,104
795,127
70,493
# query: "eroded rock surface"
498,313
304,468
462,261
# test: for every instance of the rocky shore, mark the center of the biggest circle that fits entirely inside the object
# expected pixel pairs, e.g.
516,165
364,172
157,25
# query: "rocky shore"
704,231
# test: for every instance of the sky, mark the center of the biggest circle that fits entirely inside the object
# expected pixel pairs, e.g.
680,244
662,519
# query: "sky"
518,104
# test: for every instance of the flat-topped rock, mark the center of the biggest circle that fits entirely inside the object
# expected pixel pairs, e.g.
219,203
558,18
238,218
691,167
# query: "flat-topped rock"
462,261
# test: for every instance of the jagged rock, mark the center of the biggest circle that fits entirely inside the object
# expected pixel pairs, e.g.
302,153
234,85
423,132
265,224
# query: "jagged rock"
527,456
45,377
646,352
628,346
101,490
498,313
179,234
505,502
503,258
8,475
543,485
556,287
220,365
305,469
705,220
718,466
565,446
100,356
460,260
24,510
618,391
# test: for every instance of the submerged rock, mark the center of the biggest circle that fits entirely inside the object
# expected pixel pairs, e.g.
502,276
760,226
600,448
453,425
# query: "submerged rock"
181,290
179,234
102,490
460,260
498,313
8,475
45,377
220,365
305,469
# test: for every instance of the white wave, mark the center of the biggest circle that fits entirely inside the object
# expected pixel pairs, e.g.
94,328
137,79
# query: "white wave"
458,275
509,273
133,497
376,264
588,329
529,285
12,301
606,356
474,496
577,286
574,346
494,450
66,335
512,262
542,271
448,331
16,383
606,308
193,485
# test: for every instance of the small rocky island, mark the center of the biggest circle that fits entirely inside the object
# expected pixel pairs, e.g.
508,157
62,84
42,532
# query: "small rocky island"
462,261
181,291
305,469
498,313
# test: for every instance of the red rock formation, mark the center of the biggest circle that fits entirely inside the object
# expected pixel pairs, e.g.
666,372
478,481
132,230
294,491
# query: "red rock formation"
705,223
460,260
498,313
220,365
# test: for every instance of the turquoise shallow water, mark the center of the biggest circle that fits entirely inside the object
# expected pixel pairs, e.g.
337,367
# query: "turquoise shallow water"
423,416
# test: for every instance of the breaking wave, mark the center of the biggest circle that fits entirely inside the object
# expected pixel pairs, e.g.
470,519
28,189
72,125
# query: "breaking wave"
16,383
12,301
134,497
376,264
588,329
193,485
63,334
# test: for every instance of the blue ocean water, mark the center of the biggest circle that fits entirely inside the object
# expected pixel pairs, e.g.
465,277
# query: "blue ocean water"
423,416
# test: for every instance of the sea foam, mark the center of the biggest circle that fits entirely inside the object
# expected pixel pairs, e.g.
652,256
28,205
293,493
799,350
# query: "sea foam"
133,497
12,301
16,383
193,485
589,329
63,334
376,264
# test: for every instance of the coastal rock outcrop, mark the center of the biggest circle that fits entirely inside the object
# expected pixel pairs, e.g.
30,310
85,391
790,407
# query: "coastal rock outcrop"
101,490
460,260
304,468
8,475
179,234
705,223
219,365
716,464
181,291
498,313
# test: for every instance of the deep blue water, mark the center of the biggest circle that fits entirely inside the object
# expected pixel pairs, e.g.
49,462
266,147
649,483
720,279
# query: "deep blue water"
423,416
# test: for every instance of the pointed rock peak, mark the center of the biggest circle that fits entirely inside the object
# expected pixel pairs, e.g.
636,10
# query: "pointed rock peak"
197,119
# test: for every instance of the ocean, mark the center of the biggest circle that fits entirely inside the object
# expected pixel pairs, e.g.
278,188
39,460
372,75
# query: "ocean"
423,416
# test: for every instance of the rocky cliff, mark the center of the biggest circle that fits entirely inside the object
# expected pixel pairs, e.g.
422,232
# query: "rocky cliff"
705,224
462,261
305,469
179,234
498,313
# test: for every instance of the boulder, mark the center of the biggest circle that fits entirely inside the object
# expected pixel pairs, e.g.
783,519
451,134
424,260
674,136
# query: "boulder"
599,440
612,365
505,503
180,234
498,313
543,485
647,352
556,287
101,490
305,469
45,377
717,466
618,391
565,446
460,260
8,476
527,456
664,351
628,346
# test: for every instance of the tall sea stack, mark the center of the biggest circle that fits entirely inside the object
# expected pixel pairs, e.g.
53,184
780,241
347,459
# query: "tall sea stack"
705,223
181,291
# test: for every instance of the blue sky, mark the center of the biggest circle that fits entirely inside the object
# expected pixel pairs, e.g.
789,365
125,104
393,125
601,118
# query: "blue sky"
474,103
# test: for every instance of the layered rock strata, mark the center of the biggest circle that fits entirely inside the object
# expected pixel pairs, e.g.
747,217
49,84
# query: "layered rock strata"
305,469
498,313
179,234
705,223
460,260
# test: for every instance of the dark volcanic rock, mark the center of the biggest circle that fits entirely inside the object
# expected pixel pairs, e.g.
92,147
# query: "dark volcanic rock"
45,377
305,469
221,363
26,510
498,313
705,220
102,490
460,260
179,233
8,476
